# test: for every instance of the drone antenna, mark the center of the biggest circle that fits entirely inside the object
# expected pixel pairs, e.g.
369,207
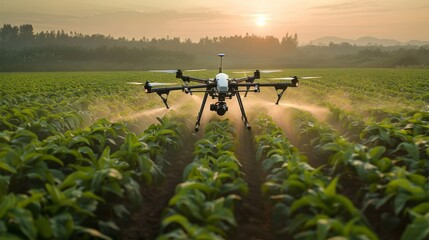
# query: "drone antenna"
221,56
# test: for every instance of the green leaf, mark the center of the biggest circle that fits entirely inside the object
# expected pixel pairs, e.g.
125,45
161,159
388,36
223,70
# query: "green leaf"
177,219
194,186
331,189
7,202
400,201
7,167
44,227
411,148
62,225
25,221
422,208
418,229
376,152
92,232
323,226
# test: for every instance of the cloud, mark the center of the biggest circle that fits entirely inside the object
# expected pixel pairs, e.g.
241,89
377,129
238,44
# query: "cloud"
350,7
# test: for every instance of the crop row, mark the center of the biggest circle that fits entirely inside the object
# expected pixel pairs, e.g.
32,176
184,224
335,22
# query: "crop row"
203,205
390,166
47,103
78,184
306,204
363,89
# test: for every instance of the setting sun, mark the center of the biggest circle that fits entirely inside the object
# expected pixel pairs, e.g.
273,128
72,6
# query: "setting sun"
261,20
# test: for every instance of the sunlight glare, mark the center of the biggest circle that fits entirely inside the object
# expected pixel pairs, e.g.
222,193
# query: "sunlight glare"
261,20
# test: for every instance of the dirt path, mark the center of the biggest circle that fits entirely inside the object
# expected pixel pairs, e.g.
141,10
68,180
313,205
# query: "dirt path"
146,222
253,215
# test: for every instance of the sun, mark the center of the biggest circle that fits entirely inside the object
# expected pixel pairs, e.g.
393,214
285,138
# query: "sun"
261,20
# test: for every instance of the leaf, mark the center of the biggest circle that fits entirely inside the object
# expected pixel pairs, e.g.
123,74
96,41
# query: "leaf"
195,186
422,208
400,201
7,202
376,152
62,225
24,220
331,189
92,232
76,178
178,219
411,148
5,166
323,226
44,227
418,229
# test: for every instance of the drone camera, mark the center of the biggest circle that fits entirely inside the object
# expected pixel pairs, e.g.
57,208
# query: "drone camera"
220,107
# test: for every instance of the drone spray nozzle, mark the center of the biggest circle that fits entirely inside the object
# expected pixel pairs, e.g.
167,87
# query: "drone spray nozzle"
220,107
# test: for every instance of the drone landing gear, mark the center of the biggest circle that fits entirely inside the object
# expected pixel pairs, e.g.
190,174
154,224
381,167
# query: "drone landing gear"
243,114
240,103
197,124
164,99
280,92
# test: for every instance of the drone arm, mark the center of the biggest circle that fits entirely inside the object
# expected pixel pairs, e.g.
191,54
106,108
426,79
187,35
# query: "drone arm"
166,90
163,92
179,74
280,87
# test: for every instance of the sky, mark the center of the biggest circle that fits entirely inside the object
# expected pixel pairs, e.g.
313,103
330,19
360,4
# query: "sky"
401,20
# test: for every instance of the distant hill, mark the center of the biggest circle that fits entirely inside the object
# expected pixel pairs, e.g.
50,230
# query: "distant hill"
365,41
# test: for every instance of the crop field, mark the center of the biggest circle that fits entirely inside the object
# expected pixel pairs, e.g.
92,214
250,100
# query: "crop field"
84,155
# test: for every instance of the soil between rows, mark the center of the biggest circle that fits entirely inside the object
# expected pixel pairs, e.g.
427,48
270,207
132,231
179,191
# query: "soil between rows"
253,213
145,223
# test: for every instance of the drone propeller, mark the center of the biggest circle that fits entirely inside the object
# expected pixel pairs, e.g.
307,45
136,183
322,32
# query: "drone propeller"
196,70
151,84
270,71
135,83
261,71
160,84
292,78
175,70
163,71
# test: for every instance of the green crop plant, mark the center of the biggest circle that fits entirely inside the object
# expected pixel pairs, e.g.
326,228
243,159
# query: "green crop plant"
71,184
203,205
306,205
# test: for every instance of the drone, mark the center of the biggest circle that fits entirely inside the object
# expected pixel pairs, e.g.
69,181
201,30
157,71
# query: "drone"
221,87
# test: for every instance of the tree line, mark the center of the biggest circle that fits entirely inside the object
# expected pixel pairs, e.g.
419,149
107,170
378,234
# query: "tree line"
23,49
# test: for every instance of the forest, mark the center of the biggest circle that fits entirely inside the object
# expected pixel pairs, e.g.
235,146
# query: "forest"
23,49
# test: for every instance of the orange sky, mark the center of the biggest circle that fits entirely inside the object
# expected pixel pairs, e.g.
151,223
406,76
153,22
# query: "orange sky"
397,19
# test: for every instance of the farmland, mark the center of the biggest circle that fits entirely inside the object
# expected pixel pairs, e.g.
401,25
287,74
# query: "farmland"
85,155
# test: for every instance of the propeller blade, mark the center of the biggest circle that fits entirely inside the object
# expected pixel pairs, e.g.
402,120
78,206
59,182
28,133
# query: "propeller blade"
160,84
243,72
135,83
270,71
281,78
291,78
163,71
196,70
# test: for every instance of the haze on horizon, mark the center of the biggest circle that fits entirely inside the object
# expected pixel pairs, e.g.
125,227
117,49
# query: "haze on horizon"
402,20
